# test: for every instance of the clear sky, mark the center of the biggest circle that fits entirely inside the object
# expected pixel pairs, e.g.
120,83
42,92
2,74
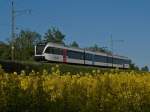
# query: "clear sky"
88,22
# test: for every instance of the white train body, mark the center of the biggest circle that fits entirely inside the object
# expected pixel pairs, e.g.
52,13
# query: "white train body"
59,53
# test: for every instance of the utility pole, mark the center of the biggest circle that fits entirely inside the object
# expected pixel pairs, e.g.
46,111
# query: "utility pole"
111,44
13,27
106,49
12,31
112,47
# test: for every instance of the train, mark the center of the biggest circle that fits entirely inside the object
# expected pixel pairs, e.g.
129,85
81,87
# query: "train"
52,52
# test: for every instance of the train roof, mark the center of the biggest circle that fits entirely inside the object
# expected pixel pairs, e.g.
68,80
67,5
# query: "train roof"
88,51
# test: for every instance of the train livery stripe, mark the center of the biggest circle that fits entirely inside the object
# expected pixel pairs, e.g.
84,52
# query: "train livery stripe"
65,55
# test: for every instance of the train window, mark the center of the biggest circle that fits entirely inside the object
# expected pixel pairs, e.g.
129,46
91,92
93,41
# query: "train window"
57,51
123,61
39,49
116,61
109,59
48,50
53,50
99,58
75,54
120,61
88,56
127,62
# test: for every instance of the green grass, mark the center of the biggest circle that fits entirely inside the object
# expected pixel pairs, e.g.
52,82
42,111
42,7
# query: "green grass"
28,66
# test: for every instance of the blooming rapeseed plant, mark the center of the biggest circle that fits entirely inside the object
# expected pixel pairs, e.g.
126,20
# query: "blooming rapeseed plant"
113,91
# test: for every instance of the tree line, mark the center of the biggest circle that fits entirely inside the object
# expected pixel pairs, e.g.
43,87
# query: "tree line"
25,41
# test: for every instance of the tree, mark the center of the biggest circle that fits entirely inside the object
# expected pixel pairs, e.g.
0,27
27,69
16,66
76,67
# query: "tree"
145,68
54,35
24,44
98,49
74,44
95,47
134,67
4,50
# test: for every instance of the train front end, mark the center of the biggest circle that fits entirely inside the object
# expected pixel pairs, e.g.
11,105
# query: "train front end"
38,54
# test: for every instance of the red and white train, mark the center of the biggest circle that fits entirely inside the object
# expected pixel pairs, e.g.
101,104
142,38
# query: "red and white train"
59,53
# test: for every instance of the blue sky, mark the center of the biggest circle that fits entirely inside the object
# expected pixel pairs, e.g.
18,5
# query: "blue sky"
87,22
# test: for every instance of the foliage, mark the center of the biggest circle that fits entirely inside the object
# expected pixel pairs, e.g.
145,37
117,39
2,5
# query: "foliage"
96,48
24,45
145,68
4,50
108,92
134,67
55,36
74,44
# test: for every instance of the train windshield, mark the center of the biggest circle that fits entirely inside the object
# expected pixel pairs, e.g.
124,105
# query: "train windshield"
39,49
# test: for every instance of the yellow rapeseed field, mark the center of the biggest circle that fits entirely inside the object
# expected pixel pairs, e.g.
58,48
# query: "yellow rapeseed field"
98,92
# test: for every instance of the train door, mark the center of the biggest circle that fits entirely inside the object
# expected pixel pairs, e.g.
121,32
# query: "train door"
65,55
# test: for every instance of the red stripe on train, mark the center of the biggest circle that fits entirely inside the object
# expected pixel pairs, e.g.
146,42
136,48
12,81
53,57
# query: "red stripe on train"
65,55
